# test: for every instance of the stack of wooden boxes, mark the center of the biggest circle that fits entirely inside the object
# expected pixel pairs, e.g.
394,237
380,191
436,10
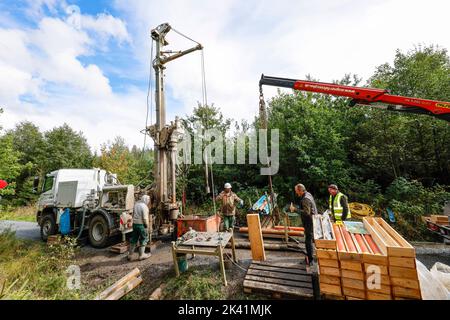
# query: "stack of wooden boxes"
401,256
378,265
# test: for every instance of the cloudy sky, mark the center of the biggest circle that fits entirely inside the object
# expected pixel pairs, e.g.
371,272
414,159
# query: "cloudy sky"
86,62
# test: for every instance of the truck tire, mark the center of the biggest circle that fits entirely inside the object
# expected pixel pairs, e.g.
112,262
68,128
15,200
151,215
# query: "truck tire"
98,231
48,226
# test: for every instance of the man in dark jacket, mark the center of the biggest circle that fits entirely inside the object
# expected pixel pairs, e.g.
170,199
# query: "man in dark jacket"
306,206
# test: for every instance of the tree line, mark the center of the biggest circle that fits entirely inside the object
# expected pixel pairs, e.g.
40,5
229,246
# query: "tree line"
383,158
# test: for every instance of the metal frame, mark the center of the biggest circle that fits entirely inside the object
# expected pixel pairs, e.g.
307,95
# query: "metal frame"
215,251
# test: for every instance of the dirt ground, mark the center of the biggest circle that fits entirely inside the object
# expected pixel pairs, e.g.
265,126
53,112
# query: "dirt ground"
100,268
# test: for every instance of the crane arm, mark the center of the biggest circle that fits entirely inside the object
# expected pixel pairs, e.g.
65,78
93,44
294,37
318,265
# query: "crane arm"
366,96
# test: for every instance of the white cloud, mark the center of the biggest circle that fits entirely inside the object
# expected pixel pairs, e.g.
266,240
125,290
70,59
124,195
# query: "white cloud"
242,39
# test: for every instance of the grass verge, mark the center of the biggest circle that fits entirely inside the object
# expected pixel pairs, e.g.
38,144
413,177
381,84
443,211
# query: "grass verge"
36,271
27,213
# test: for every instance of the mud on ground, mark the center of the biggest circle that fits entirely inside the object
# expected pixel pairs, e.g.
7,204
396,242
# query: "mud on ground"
101,268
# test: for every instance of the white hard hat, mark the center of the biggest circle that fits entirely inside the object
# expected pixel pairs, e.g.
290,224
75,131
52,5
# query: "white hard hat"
227,186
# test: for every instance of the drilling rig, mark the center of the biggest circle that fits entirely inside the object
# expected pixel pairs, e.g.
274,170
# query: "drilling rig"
165,136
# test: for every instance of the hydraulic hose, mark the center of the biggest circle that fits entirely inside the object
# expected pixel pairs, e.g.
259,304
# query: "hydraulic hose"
82,223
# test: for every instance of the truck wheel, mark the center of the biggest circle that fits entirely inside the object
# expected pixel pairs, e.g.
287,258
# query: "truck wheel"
98,232
48,226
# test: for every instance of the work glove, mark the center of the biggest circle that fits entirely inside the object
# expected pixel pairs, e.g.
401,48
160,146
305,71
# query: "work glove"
241,203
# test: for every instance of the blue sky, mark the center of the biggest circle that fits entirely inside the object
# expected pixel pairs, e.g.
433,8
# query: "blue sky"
87,62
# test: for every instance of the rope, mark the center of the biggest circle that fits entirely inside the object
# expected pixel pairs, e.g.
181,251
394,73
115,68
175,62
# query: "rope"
205,103
149,97
360,210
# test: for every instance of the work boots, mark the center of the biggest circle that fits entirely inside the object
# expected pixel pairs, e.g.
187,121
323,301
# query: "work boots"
142,254
131,251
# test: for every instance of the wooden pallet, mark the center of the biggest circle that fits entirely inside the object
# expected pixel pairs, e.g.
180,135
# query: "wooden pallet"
280,280
123,247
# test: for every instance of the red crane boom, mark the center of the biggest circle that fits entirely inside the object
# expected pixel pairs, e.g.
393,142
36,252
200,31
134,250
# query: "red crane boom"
366,96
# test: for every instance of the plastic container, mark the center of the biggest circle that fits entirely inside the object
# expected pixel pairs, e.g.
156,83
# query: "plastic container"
182,262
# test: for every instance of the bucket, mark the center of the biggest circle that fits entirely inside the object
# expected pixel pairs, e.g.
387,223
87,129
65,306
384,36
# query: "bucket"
182,262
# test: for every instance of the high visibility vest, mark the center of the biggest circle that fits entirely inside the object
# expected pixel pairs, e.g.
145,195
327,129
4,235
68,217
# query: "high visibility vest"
335,206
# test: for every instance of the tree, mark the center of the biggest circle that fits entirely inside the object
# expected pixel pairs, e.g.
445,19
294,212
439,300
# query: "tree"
10,167
65,148
412,146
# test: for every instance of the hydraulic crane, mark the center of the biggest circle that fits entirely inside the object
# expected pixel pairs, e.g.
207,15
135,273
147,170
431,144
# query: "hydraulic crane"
378,98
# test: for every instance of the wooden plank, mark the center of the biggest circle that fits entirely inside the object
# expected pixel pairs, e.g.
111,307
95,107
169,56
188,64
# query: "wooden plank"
358,275
379,241
399,272
390,242
351,256
351,265
401,252
383,289
380,268
123,290
405,283
375,259
393,233
330,271
384,279
329,263
402,262
353,298
255,237
327,296
297,265
299,284
406,292
354,292
325,244
326,254
330,289
299,292
353,283
279,275
323,278
275,269
378,296
114,287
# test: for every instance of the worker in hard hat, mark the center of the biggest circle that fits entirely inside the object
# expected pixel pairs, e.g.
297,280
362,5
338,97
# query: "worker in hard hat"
338,204
141,226
306,206
228,208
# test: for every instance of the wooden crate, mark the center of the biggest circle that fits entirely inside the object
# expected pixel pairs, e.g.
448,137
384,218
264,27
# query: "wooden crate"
353,283
326,243
279,280
387,239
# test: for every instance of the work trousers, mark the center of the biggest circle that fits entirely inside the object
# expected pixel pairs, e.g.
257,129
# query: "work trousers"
139,234
228,222
309,231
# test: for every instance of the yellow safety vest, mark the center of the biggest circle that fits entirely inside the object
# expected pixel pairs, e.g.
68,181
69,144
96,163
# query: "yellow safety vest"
335,206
